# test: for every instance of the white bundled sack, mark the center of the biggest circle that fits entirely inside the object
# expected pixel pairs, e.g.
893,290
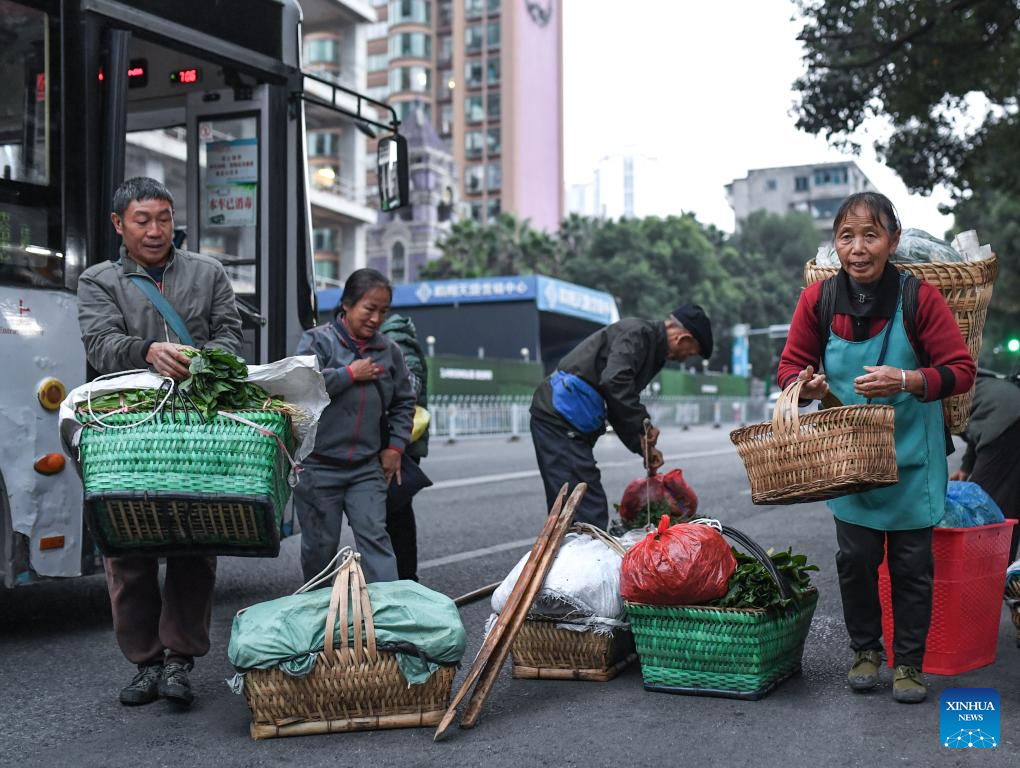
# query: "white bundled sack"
582,590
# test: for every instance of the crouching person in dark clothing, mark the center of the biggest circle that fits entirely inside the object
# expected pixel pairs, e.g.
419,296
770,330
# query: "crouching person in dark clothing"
355,455
992,459
123,330
601,380
400,522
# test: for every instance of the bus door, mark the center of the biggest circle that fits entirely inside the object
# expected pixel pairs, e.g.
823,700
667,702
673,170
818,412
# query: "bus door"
228,214
210,145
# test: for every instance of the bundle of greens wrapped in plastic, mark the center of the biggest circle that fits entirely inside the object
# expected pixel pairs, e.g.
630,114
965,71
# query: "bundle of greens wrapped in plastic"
919,247
216,382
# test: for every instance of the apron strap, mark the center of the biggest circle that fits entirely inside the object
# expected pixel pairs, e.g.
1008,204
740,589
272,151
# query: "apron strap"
889,325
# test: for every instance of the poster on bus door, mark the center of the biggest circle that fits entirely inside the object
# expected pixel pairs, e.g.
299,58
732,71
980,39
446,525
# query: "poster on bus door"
231,183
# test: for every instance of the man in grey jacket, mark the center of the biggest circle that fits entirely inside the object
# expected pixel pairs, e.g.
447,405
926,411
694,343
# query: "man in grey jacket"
123,330
601,380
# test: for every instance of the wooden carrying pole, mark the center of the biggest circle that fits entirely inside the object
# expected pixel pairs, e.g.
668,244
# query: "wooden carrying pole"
504,618
520,614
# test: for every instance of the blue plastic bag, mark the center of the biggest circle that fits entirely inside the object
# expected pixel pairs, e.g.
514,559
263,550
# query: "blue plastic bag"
968,505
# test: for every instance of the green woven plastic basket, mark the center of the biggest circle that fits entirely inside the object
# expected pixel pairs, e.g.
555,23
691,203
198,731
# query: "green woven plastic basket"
733,652
174,486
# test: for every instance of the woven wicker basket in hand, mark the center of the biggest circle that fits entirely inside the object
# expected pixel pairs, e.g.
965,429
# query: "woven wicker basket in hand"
797,458
354,687
967,288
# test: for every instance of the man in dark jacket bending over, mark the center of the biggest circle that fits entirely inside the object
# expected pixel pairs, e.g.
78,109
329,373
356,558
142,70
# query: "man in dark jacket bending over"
601,380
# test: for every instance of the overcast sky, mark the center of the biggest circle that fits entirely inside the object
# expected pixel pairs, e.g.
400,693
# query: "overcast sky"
704,86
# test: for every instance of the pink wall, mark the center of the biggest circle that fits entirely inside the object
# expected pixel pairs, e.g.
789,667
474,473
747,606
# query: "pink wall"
538,117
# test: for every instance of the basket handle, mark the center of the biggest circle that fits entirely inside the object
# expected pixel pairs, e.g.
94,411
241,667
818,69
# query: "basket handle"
762,556
785,416
600,535
350,586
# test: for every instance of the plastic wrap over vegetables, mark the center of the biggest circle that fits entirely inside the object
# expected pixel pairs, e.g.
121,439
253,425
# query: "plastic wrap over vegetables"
647,499
680,565
968,505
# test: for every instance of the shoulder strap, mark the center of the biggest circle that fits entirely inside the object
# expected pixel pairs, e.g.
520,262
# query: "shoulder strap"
147,287
826,311
911,288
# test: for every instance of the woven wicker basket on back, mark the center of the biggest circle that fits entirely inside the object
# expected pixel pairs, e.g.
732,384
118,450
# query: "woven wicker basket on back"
967,288
798,458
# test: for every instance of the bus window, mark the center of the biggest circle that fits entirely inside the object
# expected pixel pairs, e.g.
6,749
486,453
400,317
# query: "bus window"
228,178
24,98
161,154
29,193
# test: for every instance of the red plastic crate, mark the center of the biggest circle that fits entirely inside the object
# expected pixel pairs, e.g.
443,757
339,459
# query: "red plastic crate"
970,568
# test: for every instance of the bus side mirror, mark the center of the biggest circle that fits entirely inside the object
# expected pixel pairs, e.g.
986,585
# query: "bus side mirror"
392,172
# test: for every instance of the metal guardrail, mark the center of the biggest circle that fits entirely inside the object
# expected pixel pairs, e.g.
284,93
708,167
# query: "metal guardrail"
460,416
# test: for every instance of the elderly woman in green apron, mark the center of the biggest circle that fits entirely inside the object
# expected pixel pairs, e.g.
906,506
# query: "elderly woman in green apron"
884,338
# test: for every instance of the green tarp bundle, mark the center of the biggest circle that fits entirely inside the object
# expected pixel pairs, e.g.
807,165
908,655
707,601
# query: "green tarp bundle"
288,632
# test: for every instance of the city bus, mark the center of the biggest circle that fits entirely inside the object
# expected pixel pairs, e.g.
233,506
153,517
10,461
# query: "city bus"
207,96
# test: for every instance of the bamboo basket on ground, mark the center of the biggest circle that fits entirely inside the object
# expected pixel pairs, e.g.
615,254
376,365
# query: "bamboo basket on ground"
353,687
543,651
799,458
967,288
741,653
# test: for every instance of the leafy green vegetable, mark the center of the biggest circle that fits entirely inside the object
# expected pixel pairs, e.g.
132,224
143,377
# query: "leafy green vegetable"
216,383
751,585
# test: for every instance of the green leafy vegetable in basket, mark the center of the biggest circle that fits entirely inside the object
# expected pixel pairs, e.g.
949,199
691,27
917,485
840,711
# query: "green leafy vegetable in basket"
217,382
751,585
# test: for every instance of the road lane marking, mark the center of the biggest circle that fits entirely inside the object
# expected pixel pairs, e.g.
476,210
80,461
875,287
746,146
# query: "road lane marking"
472,554
464,482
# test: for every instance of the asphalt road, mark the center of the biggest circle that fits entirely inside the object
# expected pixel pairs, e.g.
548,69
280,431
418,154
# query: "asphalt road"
60,669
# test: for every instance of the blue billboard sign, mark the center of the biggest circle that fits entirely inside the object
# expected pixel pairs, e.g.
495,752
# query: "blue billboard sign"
549,295
481,289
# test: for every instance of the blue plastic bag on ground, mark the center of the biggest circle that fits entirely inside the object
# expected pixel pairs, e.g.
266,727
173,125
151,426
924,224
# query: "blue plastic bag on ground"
968,505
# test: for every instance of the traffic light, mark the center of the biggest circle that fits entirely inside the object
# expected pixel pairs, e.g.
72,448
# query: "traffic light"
1013,345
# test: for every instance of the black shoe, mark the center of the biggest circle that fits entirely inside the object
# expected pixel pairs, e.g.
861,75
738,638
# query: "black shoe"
174,683
143,687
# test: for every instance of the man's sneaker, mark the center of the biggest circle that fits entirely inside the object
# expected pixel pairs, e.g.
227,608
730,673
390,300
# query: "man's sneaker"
863,675
174,683
908,687
143,687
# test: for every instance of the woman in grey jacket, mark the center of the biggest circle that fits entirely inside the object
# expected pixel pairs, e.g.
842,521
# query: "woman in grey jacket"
362,433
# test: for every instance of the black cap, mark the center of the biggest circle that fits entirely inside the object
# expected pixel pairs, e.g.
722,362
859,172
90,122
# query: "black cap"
693,318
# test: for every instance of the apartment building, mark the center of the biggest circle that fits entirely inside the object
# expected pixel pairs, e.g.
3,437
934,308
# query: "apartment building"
335,36
814,189
488,75
626,185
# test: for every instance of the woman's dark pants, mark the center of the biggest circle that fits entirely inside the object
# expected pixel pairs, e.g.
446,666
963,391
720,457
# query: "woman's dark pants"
911,571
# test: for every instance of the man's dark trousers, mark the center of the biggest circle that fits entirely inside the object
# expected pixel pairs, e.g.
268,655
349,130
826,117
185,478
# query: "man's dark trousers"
566,456
911,571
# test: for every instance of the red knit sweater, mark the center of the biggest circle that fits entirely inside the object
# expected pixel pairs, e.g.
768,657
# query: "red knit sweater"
952,369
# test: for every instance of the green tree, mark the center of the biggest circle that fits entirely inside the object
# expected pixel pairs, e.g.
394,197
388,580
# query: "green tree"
915,62
651,265
506,247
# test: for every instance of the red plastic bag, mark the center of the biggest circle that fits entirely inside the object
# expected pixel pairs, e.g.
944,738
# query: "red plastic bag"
680,565
649,498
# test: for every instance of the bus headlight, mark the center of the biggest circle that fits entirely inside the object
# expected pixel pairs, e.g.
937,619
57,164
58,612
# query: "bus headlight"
51,393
